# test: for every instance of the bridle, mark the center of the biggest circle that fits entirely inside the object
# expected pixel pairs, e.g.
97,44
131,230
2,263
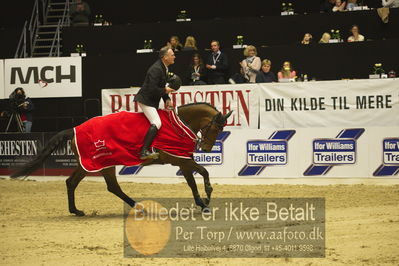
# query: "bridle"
205,130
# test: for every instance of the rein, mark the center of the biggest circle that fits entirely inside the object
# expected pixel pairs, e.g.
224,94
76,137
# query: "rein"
204,130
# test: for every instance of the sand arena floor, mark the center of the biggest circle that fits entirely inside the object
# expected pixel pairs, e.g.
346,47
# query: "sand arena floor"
36,228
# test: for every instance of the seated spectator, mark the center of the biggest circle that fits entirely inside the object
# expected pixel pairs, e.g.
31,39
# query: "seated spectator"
249,67
351,4
356,36
174,44
325,38
197,71
265,75
307,38
217,65
339,6
80,13
390,3
327,6
190,44
286,71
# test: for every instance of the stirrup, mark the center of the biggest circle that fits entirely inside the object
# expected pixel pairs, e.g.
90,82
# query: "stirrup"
149,155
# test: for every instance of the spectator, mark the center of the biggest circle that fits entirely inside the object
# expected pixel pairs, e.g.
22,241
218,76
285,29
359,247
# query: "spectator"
174,44
249,67
325,38
286,71
390,3
190,44
265,75
307,38
356,36
339,6
22,105
351,4
80,13
327,6
216,64
197,71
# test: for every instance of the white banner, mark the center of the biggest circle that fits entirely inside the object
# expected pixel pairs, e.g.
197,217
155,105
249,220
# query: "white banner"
44,77
242,99
370,152
343,103
308,129
2,95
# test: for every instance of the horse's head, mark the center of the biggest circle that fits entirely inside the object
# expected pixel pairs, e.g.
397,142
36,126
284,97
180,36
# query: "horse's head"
210,132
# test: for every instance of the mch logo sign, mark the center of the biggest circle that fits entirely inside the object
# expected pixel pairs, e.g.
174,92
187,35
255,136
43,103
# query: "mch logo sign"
214,157
334,151
267,152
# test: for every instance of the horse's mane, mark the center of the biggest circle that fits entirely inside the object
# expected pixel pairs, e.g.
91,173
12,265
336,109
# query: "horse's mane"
198,103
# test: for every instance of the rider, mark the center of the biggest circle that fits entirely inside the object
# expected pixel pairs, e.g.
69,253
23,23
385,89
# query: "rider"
154,88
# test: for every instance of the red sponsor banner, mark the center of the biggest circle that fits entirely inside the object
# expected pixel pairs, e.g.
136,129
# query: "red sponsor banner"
242,99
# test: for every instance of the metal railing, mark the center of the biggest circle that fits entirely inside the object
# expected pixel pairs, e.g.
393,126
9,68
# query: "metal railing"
29,33
21,48
65,21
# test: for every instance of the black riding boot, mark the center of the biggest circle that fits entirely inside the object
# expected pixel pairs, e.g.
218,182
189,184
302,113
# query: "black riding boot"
149,137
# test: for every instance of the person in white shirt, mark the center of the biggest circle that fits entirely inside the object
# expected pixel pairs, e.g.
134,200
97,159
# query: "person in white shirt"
356,36
390,3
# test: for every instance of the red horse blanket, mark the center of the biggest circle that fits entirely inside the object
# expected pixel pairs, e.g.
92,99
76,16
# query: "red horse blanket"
116,139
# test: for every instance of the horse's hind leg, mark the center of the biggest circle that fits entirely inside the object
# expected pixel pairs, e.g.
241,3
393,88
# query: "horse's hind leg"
188,175
208,188
72,182
113,186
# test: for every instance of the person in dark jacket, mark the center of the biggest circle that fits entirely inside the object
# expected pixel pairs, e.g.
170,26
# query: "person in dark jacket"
22,105
265,75
217,65
80,13
154,88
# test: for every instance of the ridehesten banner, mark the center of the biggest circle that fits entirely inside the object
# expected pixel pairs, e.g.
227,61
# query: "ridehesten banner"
16,149
2,95
242,99
44,77
342,103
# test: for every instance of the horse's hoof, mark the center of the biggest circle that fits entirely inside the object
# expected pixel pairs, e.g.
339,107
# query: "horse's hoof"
206,210
78,213
206,201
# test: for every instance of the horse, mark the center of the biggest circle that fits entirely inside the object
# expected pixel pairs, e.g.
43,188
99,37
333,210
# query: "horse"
201,118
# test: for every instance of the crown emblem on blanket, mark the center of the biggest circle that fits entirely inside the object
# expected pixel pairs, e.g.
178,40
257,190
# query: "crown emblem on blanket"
99,143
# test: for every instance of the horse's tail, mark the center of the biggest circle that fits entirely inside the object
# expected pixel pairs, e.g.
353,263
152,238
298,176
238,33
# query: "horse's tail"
55,142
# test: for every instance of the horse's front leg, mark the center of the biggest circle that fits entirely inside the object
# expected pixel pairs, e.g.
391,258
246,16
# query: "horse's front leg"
188,175
208,188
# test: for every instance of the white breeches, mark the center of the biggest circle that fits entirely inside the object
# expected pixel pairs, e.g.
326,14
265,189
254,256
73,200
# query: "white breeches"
151,114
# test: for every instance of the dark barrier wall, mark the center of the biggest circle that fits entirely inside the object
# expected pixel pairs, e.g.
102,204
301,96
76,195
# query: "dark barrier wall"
267,31
14,13
128,11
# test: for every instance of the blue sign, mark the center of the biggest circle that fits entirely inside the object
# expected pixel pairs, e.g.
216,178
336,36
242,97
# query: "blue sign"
267,152
391,151
214,157
345,137
334,151
263,153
